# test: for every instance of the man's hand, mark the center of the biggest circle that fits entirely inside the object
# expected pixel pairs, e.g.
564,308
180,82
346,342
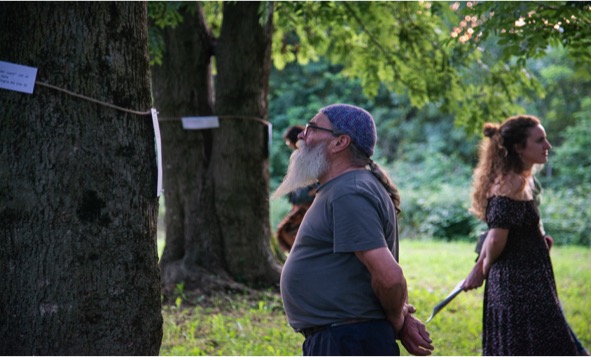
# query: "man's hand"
414,337
398,323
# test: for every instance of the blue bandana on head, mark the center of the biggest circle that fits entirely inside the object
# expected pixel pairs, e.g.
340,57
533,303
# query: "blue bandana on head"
355,122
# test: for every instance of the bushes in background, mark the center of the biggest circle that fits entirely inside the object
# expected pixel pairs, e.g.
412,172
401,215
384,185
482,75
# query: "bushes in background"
438,214
442,214
566,215
435,196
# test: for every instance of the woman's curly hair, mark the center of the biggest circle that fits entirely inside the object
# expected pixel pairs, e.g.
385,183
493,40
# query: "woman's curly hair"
498,157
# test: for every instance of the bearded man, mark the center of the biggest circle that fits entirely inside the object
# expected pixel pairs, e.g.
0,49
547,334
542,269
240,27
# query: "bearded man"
341,286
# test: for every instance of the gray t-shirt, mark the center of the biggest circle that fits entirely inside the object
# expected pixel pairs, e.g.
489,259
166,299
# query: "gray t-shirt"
322,281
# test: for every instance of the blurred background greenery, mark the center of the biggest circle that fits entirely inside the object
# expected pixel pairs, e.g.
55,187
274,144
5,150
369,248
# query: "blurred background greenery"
431,159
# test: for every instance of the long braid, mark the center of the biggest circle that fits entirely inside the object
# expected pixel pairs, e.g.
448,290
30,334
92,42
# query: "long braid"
385,180
361,159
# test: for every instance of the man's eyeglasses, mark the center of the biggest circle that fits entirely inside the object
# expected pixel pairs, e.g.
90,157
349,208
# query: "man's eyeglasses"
314,126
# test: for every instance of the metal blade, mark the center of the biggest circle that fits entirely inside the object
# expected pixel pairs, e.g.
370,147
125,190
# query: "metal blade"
458,289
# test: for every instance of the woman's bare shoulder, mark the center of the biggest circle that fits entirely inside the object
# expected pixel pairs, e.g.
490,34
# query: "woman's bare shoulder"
512,186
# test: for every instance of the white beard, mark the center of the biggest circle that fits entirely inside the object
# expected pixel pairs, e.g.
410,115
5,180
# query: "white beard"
306,165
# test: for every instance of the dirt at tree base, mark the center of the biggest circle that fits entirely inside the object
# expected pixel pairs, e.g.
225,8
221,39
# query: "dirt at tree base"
202,286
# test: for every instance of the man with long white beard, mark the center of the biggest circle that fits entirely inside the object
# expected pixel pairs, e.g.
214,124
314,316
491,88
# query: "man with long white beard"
306,164
341,285
300,198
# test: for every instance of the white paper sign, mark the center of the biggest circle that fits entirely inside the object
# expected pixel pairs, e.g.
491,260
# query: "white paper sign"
17,77
196,123
270,133
158,143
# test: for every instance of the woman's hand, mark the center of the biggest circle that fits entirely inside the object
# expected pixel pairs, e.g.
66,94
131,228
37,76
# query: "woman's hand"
549,241
492,248
476,277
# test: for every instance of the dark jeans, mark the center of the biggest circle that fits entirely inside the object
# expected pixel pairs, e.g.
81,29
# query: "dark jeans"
370,338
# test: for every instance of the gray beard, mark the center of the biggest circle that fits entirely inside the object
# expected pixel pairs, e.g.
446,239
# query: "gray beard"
306,165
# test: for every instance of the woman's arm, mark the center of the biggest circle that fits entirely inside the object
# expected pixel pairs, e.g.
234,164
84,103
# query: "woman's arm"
497,239
493,246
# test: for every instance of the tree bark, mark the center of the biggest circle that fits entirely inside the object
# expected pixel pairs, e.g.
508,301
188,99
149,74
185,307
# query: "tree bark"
78,206
241,150
216,180
183,86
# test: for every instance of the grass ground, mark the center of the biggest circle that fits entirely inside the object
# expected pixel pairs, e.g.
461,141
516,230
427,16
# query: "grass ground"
256,325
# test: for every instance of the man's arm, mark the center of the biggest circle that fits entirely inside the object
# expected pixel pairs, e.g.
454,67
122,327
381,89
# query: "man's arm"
387,282
389,285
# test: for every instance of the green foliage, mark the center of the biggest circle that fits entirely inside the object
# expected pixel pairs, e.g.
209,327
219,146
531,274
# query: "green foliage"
509,35
566,213
526,29
235,325
490,93
433,173
443,214
405,133
161,14
566,90
415,49
438,214
165,13
279,208
155,46
429,158
397,44
467,62
572,160
213,12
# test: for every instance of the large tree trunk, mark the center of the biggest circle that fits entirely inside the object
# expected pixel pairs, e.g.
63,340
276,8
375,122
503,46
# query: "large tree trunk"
216,180
241,152
78,206
183,86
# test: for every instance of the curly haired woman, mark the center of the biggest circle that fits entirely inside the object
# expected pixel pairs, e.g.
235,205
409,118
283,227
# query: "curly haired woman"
522,313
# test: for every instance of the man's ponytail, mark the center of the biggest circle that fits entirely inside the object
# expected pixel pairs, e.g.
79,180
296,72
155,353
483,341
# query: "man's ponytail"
384,179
